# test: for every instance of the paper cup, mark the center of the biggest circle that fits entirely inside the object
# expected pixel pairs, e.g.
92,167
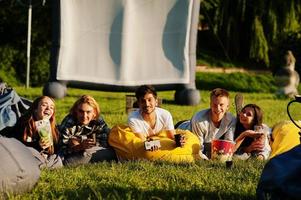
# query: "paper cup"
222,150
44,130
258,129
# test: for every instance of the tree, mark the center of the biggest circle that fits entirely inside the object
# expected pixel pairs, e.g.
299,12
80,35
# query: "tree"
252,29
13,34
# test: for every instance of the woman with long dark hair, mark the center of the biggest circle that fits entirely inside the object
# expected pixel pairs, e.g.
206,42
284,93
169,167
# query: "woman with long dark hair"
251,135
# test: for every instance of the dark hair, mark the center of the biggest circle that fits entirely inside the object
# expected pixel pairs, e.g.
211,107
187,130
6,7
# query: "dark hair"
257,120
142,90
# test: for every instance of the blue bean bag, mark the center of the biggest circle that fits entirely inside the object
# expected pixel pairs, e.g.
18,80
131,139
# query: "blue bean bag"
281,176
19,171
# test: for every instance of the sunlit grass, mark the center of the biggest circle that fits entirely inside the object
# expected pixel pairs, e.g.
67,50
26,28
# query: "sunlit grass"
153,180
149,180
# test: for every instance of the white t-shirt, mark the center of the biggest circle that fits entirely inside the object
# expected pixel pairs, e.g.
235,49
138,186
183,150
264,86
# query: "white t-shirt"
203,127
139,125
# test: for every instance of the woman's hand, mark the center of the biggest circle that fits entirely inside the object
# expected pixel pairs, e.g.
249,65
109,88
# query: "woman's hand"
45,143
248,133
256,145
252,134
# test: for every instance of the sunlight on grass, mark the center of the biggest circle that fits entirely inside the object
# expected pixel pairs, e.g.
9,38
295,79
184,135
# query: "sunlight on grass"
153,180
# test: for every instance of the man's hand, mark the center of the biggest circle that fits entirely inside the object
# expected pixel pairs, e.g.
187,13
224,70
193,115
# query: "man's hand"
87,143
152,145
154,148
180,140
183,140
76,144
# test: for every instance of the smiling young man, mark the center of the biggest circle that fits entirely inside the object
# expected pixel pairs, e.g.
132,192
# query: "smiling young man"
149,119
85,134
215,122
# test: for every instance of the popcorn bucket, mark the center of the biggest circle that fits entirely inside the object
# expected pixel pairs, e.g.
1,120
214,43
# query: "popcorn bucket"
222,150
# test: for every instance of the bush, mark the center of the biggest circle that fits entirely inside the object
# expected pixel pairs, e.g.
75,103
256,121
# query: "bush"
40,67
291,41
239,82
13,59
7,71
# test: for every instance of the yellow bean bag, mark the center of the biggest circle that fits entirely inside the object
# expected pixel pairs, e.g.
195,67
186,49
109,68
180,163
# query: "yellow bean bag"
285,136
129,147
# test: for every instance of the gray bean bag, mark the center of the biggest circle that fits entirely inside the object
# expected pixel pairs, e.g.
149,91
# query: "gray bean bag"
19,171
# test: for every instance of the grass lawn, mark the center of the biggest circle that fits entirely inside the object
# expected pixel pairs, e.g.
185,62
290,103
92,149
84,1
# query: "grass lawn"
153,180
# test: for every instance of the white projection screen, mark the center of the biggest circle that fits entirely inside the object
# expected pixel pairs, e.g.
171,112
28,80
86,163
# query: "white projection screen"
121,44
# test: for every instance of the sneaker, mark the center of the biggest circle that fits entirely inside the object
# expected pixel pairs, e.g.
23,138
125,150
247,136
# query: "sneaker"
239,101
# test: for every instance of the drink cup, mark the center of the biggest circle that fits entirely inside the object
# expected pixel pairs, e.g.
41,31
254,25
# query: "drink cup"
94,138
207,149
44,130
261,135
91,137
178,138
258,129
222,150
229,163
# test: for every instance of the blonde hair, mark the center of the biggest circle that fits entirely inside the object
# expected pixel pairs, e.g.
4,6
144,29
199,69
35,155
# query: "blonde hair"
88,100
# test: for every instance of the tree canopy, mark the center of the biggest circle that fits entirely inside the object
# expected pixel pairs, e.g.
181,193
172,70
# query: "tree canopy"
254,30
249,31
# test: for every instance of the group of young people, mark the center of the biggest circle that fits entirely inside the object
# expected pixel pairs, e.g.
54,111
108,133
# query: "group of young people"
217,122
209,124
82,136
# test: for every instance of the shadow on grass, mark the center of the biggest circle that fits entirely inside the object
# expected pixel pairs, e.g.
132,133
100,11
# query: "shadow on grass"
100,192
114,112
171,102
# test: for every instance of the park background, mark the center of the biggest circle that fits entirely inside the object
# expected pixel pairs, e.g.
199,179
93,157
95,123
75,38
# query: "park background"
253,35
240,34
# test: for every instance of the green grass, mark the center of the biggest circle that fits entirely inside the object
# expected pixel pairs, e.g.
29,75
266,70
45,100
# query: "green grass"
153,180
149,180
216,57
243,82
213,59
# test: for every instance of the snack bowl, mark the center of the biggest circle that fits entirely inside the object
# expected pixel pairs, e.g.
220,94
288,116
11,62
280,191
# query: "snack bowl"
222,150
